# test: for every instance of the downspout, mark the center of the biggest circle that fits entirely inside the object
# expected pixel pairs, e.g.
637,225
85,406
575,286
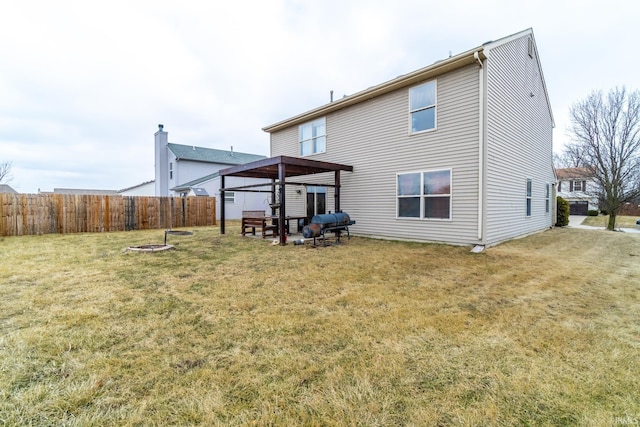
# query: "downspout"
481,95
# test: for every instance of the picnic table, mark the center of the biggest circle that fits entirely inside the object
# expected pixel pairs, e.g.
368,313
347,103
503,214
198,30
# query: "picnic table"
268,224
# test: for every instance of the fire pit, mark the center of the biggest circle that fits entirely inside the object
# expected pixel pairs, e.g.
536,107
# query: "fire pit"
163,247
150,248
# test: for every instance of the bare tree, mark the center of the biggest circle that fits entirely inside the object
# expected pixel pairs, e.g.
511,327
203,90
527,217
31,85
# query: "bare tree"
573,156
5,172
607,131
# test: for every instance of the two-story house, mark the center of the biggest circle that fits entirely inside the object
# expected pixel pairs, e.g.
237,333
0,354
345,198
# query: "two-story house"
459,151
187,170
577,186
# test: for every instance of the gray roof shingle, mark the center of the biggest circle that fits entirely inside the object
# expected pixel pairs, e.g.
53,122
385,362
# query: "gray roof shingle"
5,188
212,155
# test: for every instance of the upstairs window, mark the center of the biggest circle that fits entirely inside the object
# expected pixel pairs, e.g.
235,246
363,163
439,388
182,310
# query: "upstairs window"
170,170
229,197
577,186
422,107
425,195
312,137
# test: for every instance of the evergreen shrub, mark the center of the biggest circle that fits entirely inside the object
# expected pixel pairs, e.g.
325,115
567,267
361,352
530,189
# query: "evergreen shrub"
562,217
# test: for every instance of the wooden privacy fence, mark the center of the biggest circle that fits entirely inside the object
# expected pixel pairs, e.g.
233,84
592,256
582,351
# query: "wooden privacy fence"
28,214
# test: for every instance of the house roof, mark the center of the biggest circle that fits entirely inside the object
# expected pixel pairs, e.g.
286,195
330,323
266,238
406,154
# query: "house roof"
431,71
211,155
573,173
195,182
85,191
136,186
199,191
6,188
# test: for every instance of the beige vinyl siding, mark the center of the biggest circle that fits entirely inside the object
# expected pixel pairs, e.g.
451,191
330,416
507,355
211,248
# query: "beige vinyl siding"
373,137
519,138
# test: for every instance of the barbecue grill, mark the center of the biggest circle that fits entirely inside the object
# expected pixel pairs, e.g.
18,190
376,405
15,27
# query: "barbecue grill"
332,222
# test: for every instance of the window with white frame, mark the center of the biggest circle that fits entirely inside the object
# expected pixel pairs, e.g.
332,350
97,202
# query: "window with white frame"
529,192
422,107
170,170
547,198
577,186
424,195
313,137
229,197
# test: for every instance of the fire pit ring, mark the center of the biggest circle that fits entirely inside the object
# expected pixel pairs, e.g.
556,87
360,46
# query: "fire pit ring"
159,247
150,248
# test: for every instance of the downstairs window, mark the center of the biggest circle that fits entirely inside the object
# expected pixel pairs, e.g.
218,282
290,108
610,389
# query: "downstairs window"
424,195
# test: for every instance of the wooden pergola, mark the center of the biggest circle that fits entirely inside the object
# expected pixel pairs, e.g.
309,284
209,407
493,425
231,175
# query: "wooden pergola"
278,169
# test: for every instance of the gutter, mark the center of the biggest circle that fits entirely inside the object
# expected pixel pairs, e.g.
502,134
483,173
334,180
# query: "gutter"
481,145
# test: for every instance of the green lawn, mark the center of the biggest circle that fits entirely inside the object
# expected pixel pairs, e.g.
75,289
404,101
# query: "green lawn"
226,330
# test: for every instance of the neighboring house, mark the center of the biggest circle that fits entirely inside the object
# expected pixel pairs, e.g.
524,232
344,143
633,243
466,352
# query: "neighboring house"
147,188
6,188
235,201
181,168
576,185
85,192
459,151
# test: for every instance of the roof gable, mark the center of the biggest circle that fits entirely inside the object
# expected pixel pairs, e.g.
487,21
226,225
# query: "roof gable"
488,46
211,155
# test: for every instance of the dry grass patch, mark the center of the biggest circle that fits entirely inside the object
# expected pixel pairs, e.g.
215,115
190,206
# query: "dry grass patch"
603,220
231,331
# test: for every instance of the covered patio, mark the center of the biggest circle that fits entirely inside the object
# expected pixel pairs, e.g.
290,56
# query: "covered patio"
278,169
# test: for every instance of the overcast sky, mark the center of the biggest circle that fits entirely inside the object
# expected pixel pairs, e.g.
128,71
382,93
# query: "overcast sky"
84,84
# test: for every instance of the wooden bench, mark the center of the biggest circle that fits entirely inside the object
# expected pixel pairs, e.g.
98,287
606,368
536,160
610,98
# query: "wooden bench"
258,219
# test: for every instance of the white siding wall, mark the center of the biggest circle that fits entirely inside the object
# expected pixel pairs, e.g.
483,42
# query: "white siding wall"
519,143
590,195
187,170
147,189
172,178
373,137
244,201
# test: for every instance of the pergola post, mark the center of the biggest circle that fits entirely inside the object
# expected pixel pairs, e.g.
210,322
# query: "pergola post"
282,232
222,204
336,192
273,197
